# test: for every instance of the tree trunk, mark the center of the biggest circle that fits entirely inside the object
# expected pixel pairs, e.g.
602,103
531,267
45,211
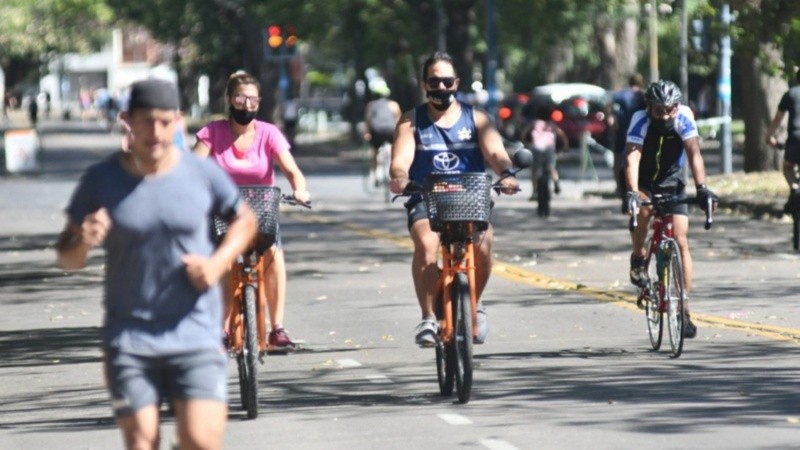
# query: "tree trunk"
461,17
759,102
617,47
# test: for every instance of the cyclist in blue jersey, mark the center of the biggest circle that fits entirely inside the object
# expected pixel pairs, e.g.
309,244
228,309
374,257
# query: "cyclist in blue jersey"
444,135
660,140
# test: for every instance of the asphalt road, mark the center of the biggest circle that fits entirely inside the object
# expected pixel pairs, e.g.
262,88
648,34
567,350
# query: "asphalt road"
567,363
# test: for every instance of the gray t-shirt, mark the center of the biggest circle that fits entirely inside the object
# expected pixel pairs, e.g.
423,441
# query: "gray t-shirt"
150,306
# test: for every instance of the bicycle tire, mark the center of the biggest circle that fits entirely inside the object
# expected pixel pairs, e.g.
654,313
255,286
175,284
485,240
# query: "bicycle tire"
462,342
382,170
241,365
445,372
653,312
250,350
796,231
543,195
676,299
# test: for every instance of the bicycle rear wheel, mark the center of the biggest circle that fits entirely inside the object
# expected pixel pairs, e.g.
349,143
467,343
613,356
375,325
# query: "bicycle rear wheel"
248,368
382,170
796,230
676,299
462,316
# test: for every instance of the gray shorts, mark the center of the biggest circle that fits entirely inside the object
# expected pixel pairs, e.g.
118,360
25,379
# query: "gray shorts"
136,381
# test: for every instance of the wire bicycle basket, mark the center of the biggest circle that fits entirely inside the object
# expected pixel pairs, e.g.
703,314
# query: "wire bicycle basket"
265,203
458,197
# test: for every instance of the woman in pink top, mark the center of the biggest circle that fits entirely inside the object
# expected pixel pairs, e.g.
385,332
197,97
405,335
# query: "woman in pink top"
248,149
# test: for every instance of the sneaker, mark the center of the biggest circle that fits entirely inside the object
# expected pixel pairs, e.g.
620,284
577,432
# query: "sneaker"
483,324
638,271
427,332
689,329
279,342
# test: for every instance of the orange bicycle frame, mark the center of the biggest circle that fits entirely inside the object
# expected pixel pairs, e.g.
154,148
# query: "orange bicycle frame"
452,264
243,273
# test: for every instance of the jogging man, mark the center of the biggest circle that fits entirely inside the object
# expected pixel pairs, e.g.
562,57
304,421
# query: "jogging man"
149,207
790,102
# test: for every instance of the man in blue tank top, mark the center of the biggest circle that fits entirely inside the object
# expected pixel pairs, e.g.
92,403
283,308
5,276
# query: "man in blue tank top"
443,135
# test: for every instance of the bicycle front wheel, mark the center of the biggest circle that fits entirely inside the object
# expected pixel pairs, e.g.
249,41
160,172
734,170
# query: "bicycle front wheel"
250,359
676,299
462,315
445,365
652,310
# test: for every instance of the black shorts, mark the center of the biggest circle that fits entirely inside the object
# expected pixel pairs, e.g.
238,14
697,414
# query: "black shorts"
792,150
680,209
377,138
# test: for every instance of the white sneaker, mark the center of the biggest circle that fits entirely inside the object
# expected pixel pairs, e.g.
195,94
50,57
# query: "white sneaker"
426,333
483,324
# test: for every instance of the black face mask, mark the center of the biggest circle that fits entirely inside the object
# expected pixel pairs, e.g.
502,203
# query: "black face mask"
663,127
441,100
241,116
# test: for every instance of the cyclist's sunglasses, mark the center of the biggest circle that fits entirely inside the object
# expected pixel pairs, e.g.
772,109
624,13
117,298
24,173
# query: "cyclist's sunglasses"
663,110
433,82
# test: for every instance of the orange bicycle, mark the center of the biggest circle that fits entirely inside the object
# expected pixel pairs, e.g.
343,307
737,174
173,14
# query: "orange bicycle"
459,206
247,341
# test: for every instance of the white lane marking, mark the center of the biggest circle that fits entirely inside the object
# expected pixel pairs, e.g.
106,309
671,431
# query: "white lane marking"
347,363
379,379
497,444
454,419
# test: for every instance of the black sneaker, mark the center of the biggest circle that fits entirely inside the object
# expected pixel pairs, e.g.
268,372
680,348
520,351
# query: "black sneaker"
638,271
689,330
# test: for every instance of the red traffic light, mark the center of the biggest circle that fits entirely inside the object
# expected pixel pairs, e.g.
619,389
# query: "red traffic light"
274,38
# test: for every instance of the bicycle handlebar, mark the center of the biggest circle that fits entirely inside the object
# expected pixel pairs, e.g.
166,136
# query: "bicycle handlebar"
660,201
290,200
415,188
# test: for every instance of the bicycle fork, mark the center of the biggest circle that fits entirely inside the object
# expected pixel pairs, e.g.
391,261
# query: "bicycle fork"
460,259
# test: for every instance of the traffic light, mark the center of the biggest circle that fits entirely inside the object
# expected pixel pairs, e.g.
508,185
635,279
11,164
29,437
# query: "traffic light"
274,36
291,36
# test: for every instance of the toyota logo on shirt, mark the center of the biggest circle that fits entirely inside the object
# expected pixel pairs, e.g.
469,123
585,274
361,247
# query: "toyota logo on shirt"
445,162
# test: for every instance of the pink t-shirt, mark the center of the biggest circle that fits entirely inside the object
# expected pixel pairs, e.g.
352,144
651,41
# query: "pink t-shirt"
252,166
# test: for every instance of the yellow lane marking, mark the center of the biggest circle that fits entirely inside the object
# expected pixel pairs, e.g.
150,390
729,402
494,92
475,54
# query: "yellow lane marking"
520,275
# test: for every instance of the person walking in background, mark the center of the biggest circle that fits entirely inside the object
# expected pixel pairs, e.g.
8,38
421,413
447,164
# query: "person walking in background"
248,149
150,208
619,112
790,103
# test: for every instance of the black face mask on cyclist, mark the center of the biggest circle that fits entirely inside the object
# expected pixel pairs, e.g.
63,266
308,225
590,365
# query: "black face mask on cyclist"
242,116
441,100
662,126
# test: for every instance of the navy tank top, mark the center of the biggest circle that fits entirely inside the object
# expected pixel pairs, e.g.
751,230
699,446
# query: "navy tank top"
445,150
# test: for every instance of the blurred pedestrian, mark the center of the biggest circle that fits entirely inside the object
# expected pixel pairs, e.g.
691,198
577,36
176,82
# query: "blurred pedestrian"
790,103
619,112
150,209
33,111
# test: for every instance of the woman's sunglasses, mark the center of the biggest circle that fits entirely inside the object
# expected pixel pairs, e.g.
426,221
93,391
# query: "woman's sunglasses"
433,82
